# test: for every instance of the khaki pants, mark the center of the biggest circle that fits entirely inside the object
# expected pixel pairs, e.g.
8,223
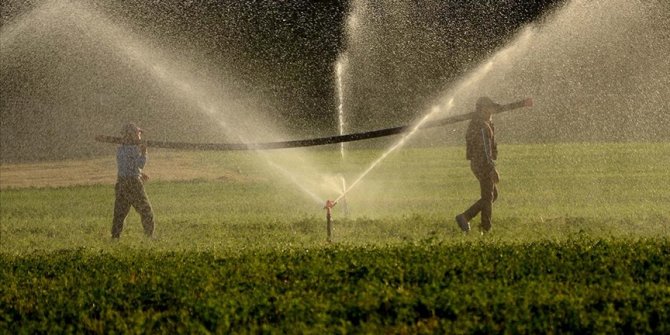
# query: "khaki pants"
130,192
488,194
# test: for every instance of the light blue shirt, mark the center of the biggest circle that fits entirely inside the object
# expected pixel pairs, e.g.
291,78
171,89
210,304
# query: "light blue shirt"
130,161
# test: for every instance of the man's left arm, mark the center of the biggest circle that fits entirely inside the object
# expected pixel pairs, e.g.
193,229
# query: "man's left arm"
141,161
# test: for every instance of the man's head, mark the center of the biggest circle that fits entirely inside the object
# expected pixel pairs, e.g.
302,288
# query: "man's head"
131,132
485,107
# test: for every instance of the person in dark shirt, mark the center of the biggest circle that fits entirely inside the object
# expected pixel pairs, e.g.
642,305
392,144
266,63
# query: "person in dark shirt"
482,152
130,159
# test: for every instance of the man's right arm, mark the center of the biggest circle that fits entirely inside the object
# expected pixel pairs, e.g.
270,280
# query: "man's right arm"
141,158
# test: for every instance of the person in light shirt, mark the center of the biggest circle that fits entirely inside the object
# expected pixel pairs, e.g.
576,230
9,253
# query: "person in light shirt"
131,157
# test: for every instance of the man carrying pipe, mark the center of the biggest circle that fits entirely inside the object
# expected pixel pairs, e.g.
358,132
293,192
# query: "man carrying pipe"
482,151
131,156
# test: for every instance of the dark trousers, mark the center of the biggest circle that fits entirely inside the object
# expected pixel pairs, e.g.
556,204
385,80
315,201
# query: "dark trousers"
130,192
488,194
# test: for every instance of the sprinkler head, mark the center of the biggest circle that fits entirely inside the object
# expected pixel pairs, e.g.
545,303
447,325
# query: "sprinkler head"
330,204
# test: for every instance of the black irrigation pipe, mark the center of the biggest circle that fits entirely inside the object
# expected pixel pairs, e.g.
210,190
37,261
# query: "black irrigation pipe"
298,143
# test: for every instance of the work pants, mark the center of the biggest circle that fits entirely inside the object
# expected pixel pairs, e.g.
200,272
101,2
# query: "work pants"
130,192
488,194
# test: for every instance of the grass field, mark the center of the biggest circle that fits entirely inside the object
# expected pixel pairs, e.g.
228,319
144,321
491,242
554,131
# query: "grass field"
579,243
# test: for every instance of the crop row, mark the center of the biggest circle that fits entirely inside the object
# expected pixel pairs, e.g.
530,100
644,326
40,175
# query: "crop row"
580,286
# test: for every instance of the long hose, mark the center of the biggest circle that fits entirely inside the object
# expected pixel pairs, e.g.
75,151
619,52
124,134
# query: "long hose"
283,144
299,143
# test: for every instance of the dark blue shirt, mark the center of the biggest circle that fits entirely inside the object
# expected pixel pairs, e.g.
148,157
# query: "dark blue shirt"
130,161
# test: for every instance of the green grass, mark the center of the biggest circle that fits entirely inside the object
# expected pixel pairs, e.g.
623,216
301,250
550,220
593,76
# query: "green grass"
547,192
578,286
579,244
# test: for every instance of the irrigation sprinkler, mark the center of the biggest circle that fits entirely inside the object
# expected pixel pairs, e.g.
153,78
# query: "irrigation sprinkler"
329,222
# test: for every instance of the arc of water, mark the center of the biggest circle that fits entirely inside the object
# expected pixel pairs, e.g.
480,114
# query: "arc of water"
473,78
385,154
290,176
127,47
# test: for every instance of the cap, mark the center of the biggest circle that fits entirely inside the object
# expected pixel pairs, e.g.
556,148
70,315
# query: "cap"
130,129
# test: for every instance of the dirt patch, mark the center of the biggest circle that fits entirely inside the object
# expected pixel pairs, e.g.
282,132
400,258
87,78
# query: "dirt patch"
161,167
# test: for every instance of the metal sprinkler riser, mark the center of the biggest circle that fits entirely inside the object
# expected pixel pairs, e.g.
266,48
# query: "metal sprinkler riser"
329,222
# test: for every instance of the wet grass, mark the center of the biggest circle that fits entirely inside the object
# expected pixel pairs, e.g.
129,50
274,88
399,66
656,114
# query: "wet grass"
547,192
580,244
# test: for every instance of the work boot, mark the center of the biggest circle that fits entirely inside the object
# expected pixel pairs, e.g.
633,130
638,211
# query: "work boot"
463,223
484,230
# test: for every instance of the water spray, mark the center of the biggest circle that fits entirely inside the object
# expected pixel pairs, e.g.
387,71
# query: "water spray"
339,72
424,122
339,69
343,200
